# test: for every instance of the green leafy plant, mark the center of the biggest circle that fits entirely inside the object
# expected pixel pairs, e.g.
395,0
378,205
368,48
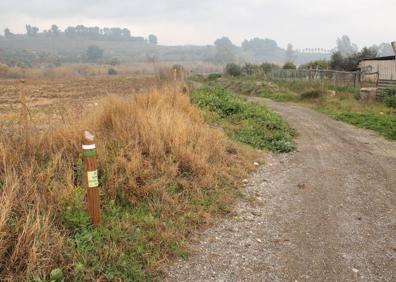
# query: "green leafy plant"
233,70
389,97
112,71
247,122
214,76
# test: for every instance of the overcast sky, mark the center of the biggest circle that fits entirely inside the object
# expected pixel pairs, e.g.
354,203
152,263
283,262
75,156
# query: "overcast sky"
304,23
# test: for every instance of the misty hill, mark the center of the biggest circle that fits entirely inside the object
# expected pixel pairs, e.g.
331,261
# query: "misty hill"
82,44
54,46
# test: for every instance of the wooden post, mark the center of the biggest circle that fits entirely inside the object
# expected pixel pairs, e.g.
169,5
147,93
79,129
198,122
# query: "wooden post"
90,180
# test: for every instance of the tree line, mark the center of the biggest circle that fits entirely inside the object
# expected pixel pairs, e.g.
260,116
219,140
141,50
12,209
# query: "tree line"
346,56
84,32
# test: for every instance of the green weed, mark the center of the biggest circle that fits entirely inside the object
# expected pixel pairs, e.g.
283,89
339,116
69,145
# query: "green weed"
244,121
382,123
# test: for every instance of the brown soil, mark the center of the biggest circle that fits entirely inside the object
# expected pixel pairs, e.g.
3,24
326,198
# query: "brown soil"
52,96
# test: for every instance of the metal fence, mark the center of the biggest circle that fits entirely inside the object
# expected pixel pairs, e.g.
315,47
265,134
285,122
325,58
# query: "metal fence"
335,78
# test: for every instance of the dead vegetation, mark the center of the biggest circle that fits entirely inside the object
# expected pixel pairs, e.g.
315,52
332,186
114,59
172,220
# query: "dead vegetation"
89,70
163,173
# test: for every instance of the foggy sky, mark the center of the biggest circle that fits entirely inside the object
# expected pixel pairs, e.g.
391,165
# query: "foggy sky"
304,23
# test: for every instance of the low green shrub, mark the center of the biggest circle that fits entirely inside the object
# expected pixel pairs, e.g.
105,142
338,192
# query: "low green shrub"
112,71
389,97
214,76
247,122
233,70
289,66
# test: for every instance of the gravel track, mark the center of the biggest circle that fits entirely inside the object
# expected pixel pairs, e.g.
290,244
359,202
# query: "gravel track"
326,212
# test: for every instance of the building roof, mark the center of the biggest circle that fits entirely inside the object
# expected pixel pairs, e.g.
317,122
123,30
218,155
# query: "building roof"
386,58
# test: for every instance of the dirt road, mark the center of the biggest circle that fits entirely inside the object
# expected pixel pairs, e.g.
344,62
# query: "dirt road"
324,213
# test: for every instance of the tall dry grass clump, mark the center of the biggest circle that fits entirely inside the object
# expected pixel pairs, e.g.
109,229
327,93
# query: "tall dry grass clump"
153,148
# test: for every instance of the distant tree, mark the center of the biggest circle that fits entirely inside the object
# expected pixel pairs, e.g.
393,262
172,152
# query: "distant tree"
267,67
94,53
368,52
385,49
225,50
337,61
345,46
31,30
55,30
8,33
261,49
289,66
351,62
126,33
70,32
319,64
289,54
153,39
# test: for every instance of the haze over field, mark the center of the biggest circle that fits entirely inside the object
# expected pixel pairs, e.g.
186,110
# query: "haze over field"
306,24
48,33
134,133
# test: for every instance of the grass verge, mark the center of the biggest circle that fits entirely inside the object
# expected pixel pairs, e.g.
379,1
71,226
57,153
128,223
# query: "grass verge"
244,121
163,173
373,116
340,104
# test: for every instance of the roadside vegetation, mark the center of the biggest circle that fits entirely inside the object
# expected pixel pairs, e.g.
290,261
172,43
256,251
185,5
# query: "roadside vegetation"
341,102
164,173
246,122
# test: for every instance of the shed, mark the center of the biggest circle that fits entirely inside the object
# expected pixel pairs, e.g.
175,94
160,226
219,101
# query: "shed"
383,67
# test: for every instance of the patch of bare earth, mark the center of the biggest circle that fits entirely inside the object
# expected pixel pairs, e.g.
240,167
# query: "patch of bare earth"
324,213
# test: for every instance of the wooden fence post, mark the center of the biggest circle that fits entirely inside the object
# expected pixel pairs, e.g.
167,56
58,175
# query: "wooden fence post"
90,180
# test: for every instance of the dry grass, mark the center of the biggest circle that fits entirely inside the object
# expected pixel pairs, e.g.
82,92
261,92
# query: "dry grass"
154,149
84,70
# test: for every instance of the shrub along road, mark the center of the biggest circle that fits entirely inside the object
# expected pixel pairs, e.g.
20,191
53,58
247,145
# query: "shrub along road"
324,213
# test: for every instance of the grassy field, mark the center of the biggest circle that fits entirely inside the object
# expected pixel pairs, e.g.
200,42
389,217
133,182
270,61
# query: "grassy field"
338,102
165,171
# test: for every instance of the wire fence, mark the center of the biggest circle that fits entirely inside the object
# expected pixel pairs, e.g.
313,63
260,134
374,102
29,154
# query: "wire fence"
330,77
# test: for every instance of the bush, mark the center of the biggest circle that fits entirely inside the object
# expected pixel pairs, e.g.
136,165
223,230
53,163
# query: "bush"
389,97
251,69
214,76
267,67
112,71
233,70
312,94
318,64
289,66
94,53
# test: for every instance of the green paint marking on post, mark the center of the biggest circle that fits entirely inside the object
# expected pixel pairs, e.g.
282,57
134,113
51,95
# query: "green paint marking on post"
89,153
